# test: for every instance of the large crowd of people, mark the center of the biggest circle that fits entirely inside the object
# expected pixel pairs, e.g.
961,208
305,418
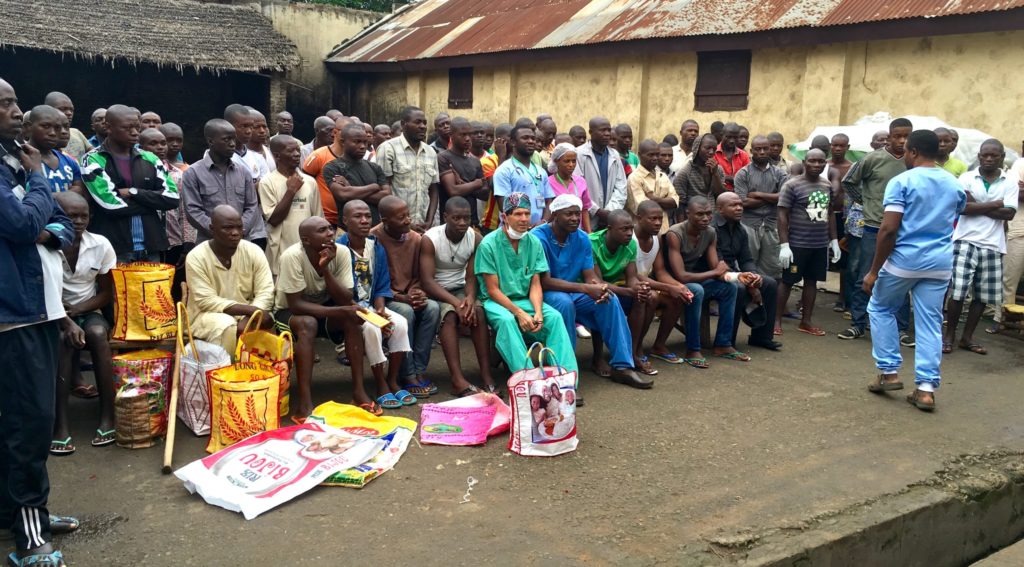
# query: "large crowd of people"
384,242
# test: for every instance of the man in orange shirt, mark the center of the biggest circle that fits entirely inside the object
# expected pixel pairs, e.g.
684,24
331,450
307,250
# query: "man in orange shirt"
314,166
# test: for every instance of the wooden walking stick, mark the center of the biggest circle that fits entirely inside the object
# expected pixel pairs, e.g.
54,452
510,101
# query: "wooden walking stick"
172,411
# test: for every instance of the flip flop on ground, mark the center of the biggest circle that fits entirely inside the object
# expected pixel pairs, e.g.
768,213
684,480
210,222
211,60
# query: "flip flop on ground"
645,367
85,391
55,559
669,357
372,408
61,448
297,420
915,400
103,438
947,348
492,389
700,362
63,524
468,391
735,355
813,331
973,347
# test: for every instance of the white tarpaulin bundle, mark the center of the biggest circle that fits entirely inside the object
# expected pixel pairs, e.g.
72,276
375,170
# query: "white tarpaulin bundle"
860,136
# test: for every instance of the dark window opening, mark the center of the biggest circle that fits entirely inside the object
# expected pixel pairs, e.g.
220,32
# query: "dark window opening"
723,81
460,87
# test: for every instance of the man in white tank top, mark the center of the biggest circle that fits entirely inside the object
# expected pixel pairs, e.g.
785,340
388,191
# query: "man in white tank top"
447,276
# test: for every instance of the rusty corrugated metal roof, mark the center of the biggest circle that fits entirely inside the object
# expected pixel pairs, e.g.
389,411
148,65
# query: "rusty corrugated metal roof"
448,28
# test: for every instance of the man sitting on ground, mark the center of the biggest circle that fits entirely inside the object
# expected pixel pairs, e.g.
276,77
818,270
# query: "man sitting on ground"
446,269
88,288
287,197
509,263
693,260
229,280
371,290
807,236
573,288
408,299
752,287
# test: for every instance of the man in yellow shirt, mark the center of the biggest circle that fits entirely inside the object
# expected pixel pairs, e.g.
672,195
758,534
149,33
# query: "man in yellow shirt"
229,280
648,183
287,196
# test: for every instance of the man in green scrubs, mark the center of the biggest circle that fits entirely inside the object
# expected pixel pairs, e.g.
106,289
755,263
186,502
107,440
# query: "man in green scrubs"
508,264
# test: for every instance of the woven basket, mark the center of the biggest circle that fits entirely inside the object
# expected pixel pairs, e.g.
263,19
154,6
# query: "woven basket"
140,415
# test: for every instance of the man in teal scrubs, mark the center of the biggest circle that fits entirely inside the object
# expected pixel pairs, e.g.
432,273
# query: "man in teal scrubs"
508,264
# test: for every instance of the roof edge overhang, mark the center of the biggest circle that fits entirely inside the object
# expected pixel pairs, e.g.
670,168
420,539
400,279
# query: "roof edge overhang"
1006,20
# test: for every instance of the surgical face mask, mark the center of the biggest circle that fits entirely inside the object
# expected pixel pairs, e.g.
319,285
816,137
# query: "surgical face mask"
513,233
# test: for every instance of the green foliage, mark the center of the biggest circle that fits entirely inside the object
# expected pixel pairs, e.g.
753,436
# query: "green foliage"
371,5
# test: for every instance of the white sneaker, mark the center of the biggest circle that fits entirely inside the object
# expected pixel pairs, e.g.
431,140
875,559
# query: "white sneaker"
582,332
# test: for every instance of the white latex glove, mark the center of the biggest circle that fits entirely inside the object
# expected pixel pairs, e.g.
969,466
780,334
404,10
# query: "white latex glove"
785,255
837,253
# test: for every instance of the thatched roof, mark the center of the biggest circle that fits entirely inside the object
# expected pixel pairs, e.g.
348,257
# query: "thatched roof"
172,33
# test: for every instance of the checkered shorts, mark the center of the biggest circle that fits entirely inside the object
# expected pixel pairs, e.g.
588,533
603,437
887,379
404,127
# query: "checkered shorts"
979,270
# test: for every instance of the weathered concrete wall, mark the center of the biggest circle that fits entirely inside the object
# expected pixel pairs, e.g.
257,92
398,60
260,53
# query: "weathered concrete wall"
963,79
315,29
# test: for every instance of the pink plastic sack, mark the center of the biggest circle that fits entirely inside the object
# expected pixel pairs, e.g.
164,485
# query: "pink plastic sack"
465,421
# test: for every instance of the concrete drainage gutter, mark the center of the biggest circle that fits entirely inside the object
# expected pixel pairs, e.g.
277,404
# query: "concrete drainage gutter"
971,508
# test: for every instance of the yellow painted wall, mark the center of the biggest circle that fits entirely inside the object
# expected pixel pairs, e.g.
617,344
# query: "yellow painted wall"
973,81
967,80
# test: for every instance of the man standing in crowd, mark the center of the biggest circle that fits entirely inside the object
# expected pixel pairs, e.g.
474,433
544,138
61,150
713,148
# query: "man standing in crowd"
129,188
683,153
693,260
314,164
33,231
752,286
99,127
460,171
150,119
947,161
410,165
574,289
408,299
243,122
181,235
757,184
521,174
442,132
578,135
1013,261
61,171
866,186
287,197
776,143
546,132
220,179
979,243
915,254
446,270
258,141
648,183
729,155
624,145
352,177
323,135
284,124
229,280
807,235
78,144
701,176
509,263
602,168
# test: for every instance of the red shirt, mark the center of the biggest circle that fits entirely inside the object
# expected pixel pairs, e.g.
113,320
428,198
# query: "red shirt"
739,159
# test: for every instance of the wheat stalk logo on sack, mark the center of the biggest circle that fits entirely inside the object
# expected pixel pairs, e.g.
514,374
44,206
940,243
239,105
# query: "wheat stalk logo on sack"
235,426
163,312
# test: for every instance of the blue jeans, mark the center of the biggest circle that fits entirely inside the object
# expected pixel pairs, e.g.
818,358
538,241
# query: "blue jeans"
422,330
707,290
606,318
850,274
859,304
887,300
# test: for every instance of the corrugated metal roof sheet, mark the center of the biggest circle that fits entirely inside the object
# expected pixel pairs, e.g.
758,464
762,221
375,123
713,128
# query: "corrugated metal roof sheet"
445,28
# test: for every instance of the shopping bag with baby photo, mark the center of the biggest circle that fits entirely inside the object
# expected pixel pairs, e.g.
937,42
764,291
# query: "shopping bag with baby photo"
543,408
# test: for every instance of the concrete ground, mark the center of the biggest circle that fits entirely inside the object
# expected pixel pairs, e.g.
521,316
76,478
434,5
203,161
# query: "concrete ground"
705,454
1012,556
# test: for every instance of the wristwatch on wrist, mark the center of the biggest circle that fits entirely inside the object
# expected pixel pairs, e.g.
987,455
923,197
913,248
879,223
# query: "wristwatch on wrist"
133,191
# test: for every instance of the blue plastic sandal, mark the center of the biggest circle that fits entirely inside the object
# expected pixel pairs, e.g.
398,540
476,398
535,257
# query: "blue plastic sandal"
55,559
405,397
389,401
